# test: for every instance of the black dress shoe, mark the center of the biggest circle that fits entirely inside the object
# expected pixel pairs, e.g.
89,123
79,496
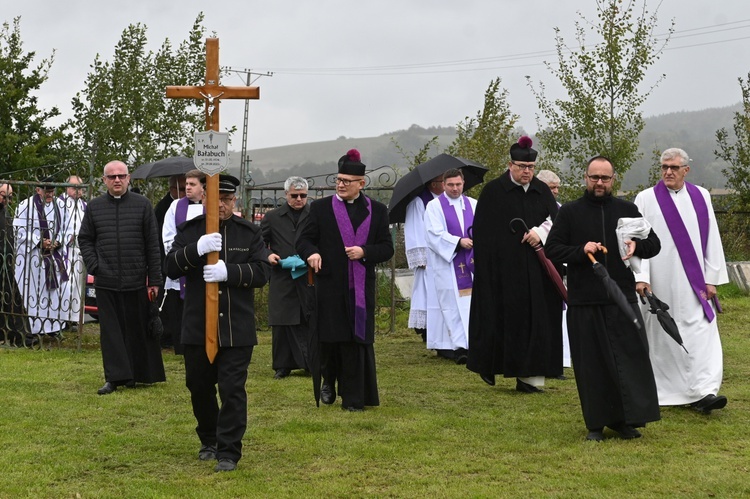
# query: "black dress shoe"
207,453
129,384
526,388
595,435
488,378
352,408
709,403
626,432
107,388
225,465
462,356
282,373
327,394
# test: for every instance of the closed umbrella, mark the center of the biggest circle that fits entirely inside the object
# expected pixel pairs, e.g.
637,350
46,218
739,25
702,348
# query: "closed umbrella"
410,185
668,324
613,290
309,306
547,265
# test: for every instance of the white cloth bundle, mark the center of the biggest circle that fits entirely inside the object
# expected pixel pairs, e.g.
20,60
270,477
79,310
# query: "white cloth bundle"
627,229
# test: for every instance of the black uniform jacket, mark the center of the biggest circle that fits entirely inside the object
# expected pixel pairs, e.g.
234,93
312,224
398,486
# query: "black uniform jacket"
284,294
245,256
595,219
321,235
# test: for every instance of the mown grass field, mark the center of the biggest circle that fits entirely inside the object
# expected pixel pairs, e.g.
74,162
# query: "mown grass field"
440,432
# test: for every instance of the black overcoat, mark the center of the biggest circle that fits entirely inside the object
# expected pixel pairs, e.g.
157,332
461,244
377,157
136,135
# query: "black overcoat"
335,321
245,256
515,323
284,293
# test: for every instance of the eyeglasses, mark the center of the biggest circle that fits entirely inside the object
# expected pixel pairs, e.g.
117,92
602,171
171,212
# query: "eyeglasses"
226,199
523,167
596,178
301,195
674,168
343,181
6,196
121,176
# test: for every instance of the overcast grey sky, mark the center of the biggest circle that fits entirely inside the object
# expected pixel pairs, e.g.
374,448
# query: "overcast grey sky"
367,67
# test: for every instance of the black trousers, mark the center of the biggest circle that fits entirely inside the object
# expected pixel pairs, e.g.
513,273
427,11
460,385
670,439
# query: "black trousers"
289,346
171,317
221,426
353,366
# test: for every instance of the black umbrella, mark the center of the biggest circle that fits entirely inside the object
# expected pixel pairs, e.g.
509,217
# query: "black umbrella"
547,265
411,184
668,324
166,167
613,290
155,326
309,307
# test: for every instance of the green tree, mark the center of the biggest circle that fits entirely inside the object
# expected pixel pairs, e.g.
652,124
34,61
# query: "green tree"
27,141
603,82
123,113
737,154
487,137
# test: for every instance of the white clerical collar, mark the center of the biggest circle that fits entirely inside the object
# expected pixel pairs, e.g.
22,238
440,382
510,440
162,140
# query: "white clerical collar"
459,201
350,201
676,191
524,186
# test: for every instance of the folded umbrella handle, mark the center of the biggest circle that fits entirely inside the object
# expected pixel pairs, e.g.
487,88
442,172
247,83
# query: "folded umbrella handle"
591,255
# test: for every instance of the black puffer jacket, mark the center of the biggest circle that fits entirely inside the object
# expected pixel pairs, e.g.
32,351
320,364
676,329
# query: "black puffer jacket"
119,242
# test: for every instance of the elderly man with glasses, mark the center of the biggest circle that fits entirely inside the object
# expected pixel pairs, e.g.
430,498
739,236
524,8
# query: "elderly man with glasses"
685,275
610,354
120,247
515,322
289,328
347,236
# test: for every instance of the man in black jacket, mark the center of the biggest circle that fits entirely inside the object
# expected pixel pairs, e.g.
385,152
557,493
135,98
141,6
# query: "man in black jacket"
610,355
120,247
242,266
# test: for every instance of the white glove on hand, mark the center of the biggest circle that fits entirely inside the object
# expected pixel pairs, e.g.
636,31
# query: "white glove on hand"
216,272
208,243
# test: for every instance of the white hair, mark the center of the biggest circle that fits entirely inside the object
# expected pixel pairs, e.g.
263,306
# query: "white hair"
675,152
548,177
296,183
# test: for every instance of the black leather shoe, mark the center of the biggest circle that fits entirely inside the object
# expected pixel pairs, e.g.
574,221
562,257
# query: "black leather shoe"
207,453
626,432
709,403
352,409
107,388
129,384
595,435
225,465
327,394
488,378
526,388
282,373
462,356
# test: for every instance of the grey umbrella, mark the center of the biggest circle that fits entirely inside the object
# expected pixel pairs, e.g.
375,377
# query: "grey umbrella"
166,167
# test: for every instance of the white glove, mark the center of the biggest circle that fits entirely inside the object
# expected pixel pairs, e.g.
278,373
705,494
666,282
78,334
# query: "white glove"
208,243
216,272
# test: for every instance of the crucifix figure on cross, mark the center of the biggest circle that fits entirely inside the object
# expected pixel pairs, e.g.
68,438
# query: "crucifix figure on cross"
212,93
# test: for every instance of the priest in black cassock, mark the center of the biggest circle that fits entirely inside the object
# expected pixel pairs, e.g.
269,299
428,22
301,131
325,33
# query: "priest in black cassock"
346,237
515,323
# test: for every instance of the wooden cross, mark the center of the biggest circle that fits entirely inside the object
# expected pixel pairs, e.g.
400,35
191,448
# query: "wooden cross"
212,93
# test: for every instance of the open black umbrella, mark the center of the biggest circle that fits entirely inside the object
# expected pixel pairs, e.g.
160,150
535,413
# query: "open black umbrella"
547,265
164,168
309,307
668,324
613,290
411,184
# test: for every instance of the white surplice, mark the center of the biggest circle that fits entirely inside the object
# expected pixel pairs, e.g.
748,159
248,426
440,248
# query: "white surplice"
447,312
682,378
169,231
415,243
72,289
43,304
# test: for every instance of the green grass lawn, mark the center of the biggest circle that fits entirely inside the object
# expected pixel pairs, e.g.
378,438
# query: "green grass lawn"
440,432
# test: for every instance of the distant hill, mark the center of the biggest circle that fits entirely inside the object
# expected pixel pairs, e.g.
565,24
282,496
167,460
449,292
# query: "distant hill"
693,131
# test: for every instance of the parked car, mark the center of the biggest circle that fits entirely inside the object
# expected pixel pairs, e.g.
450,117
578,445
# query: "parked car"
89,304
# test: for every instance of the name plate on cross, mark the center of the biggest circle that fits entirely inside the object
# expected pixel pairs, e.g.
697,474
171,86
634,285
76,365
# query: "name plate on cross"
211,156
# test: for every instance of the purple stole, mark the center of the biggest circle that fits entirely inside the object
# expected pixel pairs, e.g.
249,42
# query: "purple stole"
180,216
357,272
52,258
426,196
693,268
464,259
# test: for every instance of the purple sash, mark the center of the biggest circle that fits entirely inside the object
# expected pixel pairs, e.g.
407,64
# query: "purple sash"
51,259
464,259
426,196
693,268
357,272
180,216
